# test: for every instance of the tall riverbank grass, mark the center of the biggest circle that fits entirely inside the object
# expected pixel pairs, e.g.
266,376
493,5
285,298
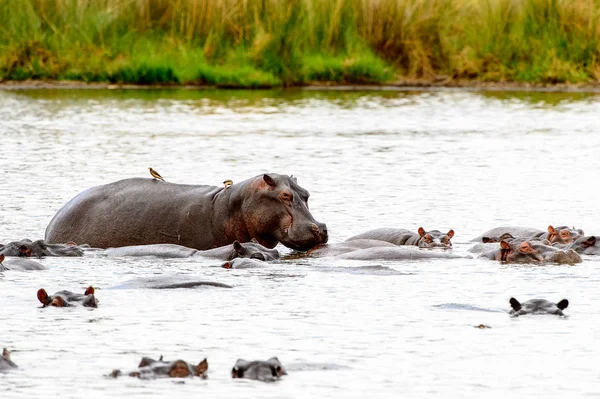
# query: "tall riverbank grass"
262,43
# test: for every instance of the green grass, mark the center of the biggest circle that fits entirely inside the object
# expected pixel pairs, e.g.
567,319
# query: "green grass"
267,43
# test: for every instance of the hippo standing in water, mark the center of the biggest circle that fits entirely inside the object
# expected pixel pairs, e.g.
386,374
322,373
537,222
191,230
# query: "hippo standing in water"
269,370
150,368
271,208
251,249
529,251
537,306
67,298
5,362
422,239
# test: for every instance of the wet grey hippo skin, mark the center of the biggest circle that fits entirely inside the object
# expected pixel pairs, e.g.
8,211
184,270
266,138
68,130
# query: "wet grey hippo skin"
5,362
529,251
169,282
346,246
150,368
244,263
537,306
19,264
67,298
251,249
586,245
560,234
39,248
269,370
271,208
397,253
422,238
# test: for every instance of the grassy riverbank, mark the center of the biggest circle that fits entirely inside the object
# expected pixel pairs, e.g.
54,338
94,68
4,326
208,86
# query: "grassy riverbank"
263,43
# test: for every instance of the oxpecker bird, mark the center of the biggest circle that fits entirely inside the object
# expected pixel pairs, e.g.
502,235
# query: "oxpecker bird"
228,183
155,174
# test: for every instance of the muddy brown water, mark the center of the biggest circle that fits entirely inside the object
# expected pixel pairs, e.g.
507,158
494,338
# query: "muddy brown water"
448,159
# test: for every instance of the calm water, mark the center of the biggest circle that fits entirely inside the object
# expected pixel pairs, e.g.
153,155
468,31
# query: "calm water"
441,160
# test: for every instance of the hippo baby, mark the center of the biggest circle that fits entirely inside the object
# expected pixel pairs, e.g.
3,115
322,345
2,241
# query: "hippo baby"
250,249
150,368
40,248
537,306
270,370
422,239
5,362
68,298
529,251
19,264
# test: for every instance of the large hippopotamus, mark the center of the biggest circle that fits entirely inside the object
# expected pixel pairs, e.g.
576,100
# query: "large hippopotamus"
5,362
150,368
530,251
560,234
269,370
422,238
250,249
39,248
537,306
67,298
271,208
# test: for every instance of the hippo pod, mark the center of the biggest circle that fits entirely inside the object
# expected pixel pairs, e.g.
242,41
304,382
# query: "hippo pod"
422,238
251,249
150,368
5,362
537,306
270,370
67,298
560,234
529,251
39,248
272,208
19,264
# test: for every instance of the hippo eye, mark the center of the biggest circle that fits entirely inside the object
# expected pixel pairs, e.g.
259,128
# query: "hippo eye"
428,238
286,196
258,256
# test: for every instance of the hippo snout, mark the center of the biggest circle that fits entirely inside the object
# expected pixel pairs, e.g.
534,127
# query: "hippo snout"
321,231
567,257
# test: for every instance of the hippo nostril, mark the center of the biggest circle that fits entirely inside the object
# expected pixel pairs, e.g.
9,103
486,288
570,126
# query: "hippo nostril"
314,227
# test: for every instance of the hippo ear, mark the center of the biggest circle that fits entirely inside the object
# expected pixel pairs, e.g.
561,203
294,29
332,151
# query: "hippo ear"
421,231
202,367
294,178
237,372
226,265
238,247
551,230
487,240
591,240
450,234
562,304
269,180
42,296
516,305
89,291
504,245
6,354
1,258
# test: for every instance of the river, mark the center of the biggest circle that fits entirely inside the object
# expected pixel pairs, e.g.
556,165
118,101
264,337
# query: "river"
467,161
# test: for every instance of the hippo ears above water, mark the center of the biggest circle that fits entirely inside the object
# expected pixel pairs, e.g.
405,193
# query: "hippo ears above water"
238,247
202,367
562,304
269,180
516,305
42,296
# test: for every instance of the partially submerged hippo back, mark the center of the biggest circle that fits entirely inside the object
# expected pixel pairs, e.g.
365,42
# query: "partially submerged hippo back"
528,251
5,362
150,368
396,253
269,370
68,298
587,245
347,246
537,306
244,263
20,264
271,208
422,239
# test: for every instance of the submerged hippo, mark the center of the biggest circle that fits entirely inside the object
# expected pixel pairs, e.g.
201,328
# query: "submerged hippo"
422,239
68,298
244,263
346,246
5,362
537,306
169,282
251,249
39,248
269,370
586,245
150,368
560,234
271,208
396,253
529,251
19,264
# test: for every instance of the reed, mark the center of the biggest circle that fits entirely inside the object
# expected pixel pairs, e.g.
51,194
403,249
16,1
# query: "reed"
263,43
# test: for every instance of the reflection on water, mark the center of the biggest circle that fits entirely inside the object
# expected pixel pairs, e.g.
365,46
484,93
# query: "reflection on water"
441,160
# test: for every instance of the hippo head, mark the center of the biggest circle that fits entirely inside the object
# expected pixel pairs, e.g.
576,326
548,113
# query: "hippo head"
150,368
65,298
269,370
563,234
254,250
505,236
583,245
537,306
435,239
524,251
277,211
